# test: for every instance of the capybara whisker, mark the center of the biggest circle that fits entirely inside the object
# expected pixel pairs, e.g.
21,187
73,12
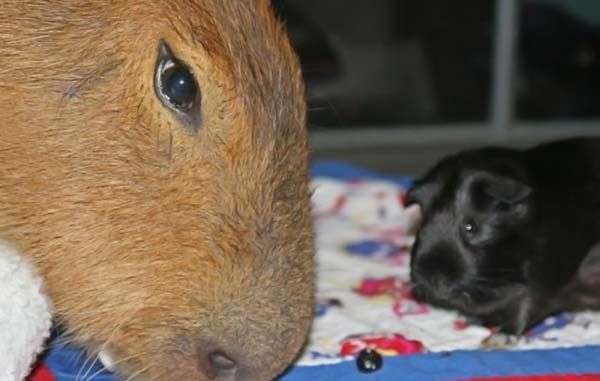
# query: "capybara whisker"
88,364
93,375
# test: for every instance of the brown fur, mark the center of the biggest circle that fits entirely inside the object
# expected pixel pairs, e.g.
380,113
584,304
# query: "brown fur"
157,243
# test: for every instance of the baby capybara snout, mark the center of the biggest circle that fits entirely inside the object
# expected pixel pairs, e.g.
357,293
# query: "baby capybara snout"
153,164
438,270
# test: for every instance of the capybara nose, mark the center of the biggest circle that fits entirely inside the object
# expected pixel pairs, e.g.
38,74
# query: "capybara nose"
218,366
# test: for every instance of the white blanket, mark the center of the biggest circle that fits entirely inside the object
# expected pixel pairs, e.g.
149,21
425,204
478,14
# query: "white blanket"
363,238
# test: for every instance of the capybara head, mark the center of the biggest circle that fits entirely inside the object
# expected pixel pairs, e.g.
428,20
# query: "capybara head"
153,164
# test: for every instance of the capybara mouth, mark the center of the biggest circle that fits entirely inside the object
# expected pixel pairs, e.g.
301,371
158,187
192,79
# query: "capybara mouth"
247,353
154,167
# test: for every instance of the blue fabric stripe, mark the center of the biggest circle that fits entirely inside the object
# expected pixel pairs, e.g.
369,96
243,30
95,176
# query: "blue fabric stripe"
460,365
66,363
342,171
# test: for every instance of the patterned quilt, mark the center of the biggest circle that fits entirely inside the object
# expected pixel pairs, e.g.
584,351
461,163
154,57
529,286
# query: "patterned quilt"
363,301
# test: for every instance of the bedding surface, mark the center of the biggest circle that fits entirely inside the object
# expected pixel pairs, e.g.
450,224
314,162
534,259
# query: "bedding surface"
363,237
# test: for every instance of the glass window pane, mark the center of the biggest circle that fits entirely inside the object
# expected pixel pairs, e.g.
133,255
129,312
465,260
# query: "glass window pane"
393,62
559,60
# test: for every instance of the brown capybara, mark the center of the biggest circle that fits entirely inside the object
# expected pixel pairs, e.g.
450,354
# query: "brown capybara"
153,165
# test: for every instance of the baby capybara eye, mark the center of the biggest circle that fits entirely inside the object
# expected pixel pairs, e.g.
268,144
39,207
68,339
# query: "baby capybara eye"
470,228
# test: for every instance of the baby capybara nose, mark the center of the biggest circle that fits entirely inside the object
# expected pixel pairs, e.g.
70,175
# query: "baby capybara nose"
439,269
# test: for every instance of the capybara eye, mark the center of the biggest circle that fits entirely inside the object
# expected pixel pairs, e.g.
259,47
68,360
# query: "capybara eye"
175,84
179,86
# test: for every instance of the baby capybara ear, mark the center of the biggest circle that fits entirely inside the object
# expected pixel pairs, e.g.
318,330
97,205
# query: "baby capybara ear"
589,269
154,167
423,191
505,190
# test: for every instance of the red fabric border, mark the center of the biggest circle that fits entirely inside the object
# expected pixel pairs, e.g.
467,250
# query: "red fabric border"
549,377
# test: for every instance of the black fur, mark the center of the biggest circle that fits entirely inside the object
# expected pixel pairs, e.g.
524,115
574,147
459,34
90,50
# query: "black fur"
510,236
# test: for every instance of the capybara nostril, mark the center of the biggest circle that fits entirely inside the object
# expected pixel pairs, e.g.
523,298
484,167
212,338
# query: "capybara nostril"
218,366
221,363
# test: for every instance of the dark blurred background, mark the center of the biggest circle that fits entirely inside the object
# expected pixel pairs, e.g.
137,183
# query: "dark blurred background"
396,84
